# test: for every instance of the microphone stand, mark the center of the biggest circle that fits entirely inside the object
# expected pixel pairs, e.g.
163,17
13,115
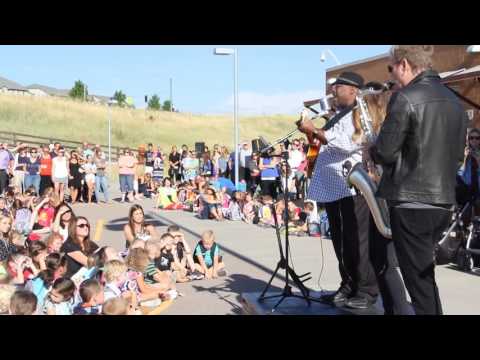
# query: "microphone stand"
283,262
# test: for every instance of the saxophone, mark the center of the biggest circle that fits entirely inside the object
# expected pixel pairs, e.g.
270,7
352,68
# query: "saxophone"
358,176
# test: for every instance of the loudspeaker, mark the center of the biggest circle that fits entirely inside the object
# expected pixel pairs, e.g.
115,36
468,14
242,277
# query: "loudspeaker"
199,147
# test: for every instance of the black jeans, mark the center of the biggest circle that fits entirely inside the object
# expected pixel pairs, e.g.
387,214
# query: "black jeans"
415,232
45,182
349,225
269,187
3,181
385,264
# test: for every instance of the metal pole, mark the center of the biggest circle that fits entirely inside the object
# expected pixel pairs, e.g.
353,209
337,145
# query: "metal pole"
109,137
235,106
171,100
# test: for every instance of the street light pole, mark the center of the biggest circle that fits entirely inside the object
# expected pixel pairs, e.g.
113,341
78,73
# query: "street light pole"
235,115
226,51
171,92
330,52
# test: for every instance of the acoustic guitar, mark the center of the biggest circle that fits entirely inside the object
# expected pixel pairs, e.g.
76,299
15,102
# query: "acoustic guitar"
313,146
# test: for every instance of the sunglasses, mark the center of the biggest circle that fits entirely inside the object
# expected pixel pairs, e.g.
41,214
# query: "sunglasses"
474,138
81,226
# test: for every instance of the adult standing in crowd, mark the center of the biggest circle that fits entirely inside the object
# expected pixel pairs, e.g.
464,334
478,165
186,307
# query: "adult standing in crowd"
45,169
32,170
174,164
420,147
149,159
6,166
60,173
20,167
101,178
268,175
75,177
245,155
126,172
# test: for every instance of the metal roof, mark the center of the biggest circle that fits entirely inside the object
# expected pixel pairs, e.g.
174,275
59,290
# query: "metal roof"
49,90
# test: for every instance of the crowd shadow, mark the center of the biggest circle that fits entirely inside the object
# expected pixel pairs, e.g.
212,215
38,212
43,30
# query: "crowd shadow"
235,285
118,224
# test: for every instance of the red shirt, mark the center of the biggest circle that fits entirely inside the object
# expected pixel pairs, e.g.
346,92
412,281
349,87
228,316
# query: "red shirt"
45,216
46,166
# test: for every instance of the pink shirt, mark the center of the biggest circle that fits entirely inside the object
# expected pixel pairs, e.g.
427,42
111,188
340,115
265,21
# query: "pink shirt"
126,165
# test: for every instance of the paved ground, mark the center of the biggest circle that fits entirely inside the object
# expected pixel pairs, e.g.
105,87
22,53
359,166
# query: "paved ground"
251,254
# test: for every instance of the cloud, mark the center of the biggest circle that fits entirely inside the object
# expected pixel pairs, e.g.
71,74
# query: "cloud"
252,103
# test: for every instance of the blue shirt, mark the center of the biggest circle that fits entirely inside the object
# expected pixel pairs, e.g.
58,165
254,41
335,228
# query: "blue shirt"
269,173
206,254
224,182
466,173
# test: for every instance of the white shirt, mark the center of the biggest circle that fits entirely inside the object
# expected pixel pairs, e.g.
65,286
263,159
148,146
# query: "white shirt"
296,158
244,153
328,183
61,170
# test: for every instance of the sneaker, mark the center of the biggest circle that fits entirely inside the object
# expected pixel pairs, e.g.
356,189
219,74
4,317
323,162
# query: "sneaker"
196,275
222,273
172,294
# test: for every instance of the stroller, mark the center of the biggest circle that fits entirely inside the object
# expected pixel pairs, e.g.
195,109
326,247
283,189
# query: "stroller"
460,244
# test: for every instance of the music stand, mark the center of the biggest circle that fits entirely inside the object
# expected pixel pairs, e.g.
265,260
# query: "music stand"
283,263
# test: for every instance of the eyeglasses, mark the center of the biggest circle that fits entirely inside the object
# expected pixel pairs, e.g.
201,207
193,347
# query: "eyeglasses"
81,226
474,138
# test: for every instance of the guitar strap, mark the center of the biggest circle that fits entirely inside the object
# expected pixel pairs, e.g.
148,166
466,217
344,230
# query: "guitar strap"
334,120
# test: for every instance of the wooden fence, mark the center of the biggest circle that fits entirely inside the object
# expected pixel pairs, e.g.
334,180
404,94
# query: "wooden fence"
13,138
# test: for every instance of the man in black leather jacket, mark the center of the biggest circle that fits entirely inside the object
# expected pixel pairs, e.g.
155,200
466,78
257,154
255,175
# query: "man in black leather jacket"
420,147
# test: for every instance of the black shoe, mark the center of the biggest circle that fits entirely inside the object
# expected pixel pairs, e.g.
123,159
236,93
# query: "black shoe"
359,302
338,298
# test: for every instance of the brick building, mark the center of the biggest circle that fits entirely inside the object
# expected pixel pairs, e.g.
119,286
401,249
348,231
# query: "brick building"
457,67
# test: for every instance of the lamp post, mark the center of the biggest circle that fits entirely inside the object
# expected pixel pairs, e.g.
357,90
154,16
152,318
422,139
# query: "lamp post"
110,103
227,51
473,49
330,52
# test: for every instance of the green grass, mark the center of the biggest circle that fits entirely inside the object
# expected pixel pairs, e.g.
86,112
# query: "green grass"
77,121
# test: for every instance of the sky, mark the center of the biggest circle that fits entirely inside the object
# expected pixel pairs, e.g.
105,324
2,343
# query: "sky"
273,79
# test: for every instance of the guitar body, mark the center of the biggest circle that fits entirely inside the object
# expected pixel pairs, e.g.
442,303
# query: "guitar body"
312,154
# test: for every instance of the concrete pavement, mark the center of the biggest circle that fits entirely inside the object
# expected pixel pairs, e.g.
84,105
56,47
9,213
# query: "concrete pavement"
251,254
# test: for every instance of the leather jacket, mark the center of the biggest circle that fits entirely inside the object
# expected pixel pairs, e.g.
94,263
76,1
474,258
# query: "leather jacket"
421,143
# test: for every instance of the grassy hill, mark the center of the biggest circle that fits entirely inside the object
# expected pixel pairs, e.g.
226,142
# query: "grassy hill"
69,119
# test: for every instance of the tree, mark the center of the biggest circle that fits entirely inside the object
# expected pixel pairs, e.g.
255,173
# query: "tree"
79,90
154,102
120,97
166,105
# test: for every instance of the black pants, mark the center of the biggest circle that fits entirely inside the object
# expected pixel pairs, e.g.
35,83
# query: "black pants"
415,231
269,187
385,264
45,182
3,181
349,225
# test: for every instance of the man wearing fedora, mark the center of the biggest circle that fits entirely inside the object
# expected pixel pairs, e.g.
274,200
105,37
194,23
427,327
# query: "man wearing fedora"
347,211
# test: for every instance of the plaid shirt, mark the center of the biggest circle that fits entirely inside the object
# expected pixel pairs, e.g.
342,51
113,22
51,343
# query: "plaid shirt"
328,182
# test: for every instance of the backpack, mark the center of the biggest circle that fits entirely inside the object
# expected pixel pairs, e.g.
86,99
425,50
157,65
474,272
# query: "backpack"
22,220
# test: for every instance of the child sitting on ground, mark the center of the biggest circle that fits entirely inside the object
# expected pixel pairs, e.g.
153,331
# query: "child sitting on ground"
91,293
150,281
248,213
60,299
234,211
118,306
265,213
23,302
312,222
166,258
207,258
184,252
54,242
